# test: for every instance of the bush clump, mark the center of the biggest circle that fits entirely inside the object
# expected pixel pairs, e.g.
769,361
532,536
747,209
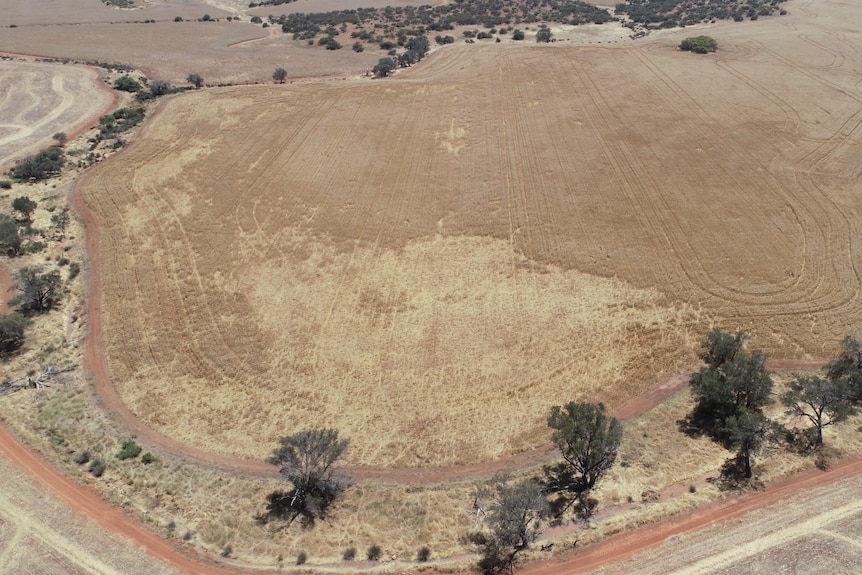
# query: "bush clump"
147,458
97,468
130,450
349,554
424,554
699,44
374,553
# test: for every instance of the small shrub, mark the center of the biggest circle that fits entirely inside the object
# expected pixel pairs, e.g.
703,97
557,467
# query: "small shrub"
5,185
147,458
424,554
178,18
61,261
97,468
74,270
130,450
358,47
301,558
82,458
374,553
226,550
349,554
127,84
692,489
518,35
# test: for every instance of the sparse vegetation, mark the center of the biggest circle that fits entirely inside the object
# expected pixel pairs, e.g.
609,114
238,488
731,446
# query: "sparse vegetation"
10,239
654,14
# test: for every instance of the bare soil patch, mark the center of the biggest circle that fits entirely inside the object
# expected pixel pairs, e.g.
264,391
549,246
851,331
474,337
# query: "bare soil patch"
41,99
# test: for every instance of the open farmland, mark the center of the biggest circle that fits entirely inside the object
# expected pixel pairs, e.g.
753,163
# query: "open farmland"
431,261
41,99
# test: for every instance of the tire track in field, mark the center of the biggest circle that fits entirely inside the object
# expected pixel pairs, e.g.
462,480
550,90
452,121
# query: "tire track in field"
706,280
823,233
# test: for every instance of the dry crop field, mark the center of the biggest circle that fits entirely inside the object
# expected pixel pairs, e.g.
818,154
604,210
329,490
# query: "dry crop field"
41,99
431,261
816,531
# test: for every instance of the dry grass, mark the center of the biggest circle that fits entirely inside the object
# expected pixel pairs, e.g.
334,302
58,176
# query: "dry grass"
396,252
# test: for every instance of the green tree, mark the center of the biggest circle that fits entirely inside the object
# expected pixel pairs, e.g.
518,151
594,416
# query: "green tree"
307,460
38,291
279,75
588,439
159,88
43,165
699,45
60,138
518,35
195,80
24,206
10,240
848,367
12,327
544,34
514,520
384,67
822,401
127,84
730,393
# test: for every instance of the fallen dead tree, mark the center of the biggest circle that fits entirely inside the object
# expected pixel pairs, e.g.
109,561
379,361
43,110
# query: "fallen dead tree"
49,376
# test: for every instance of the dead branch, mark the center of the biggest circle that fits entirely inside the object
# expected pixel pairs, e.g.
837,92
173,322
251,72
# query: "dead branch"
41,381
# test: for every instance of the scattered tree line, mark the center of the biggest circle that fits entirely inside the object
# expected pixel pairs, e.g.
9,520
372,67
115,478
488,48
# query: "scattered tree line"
654,14
397,24
417,48
733,388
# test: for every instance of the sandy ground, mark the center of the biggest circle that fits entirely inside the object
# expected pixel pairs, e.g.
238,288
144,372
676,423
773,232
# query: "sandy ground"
41,99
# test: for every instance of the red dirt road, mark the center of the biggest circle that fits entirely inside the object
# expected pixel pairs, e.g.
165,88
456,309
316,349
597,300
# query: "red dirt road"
614,549
87,501
625,545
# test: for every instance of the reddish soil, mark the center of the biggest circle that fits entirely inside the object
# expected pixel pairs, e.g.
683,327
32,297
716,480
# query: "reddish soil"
617,548
87,501
5,286
625,545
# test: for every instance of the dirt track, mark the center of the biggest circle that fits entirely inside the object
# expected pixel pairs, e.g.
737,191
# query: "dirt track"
613,550
87,501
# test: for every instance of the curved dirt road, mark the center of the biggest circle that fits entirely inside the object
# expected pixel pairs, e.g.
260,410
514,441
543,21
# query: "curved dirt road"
614,549
87,501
